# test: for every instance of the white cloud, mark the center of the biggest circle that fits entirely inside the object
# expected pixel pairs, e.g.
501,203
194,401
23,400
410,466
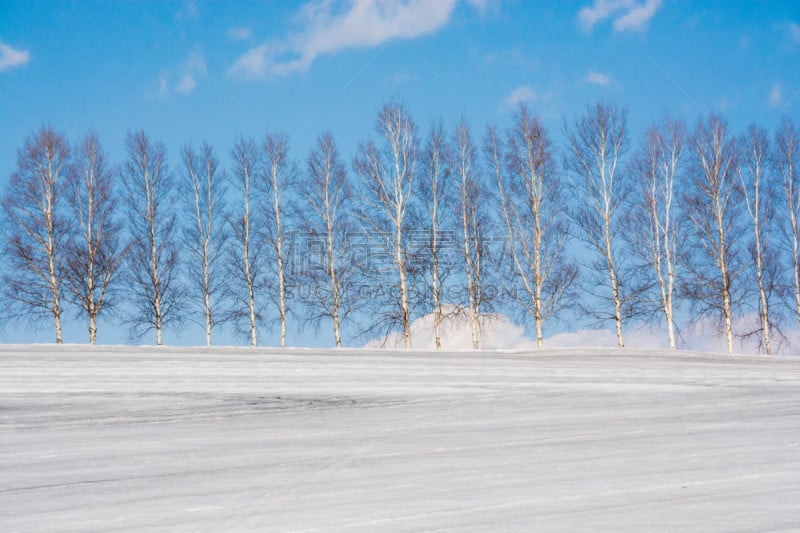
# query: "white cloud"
189,10
776,95
794,30
193,69
327,27
598,78
637,18
521,95
628,15
186,85
241,33
11,57
252,63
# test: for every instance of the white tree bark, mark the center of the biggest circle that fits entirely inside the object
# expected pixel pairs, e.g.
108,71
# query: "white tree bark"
755,154
464,154
713,203
95,254
153,259
203,241
435,190
387,177
653,224
531,205
326,217
247,161
34,249
276,153
596,145
787,141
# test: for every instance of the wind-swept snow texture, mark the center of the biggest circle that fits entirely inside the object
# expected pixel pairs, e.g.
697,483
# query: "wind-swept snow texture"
112,439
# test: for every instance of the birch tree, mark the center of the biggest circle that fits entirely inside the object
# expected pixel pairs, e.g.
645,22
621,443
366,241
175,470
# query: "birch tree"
387,174
95,250
656,231
152,265
435,190
35,229
787,151
596,144
531,204
274,179
484,265
204,189
714,205
758,193
464,167
326,213
247,259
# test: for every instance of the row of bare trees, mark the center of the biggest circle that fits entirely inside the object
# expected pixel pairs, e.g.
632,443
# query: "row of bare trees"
691,224
700,217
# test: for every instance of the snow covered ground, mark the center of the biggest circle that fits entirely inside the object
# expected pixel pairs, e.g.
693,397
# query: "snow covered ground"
234,439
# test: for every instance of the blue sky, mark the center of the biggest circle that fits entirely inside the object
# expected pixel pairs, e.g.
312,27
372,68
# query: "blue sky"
187,71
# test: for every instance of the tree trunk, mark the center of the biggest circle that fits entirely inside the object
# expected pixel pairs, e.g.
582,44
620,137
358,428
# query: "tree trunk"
332,273
57,316
51,252
159,339
251,299
795,260
668,300
157,297
208,316
468,267
612,274
726,289
538,275
437,304
405,315
56,302
279,248
726,301
92,329
762,293
281,282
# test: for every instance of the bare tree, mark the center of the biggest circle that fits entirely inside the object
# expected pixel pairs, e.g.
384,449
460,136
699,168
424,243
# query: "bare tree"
387,172
435,189
787,151
205,237
655,225
756,182
153,257
531,204
95,251
713,201
273,182
326,211
595,146
483,262
464,167
248,255
35,229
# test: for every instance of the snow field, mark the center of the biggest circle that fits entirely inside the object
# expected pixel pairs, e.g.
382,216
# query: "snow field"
230,439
